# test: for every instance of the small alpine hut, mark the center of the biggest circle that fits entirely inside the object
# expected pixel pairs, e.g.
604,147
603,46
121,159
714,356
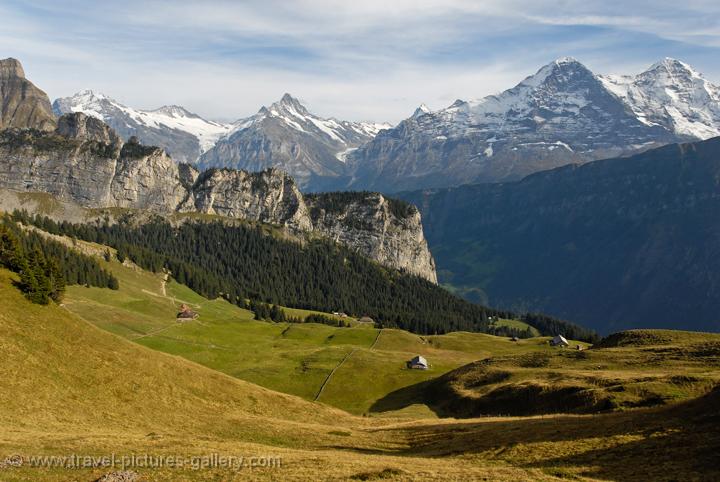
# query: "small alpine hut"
186,313
559,340
418,363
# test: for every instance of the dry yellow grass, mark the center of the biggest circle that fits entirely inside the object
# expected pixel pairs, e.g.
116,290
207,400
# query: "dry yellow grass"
72,388
69,387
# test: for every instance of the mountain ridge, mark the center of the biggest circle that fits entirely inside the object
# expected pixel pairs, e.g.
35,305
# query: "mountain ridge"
183,134
611,244
287,135
562,114
92,167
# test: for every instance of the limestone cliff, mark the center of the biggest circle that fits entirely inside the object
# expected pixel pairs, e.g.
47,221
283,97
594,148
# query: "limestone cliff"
85,162
21,103
270,196
387,230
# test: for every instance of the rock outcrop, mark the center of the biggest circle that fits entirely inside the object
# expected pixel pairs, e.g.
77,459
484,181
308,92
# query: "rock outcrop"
269,196
82,127
21,103
85,162
387,230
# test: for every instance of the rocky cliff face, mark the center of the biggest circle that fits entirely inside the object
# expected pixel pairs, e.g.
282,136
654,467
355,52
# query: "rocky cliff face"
85,162
387,230
270,196
21,103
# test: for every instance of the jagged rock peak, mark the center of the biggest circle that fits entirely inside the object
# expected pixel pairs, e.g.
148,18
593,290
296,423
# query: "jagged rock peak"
567,60
80,126
421,110
11,67
22,105
175,111
562,69
289,103
672,65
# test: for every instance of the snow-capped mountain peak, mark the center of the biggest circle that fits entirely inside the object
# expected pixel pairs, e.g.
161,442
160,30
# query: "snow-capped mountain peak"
287,135
420,111
176,111
183,134
291,104
561,114
673,95
672,66
293,114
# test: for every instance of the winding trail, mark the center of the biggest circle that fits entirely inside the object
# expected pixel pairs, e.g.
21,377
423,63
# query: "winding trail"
332,372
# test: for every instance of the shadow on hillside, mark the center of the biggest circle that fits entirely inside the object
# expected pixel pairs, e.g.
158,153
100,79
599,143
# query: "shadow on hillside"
679,442
404,397
511,400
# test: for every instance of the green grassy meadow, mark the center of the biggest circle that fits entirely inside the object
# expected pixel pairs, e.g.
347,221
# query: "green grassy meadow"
288,357
114,372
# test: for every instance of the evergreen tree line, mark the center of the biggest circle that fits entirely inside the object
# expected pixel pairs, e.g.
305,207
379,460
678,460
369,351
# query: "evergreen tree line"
45,266
547,325
241,262
268,312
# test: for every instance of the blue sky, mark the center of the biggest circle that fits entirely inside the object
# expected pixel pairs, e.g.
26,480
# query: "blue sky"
367,60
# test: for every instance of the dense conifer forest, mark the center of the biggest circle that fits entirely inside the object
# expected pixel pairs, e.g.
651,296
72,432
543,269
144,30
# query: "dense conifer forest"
241,263
46,266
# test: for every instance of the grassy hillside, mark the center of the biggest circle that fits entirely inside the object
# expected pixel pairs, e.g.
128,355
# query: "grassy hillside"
71,388
292,358
667,367
324,276
362,369
677,442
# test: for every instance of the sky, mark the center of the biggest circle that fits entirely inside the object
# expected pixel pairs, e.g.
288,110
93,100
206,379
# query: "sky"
355,60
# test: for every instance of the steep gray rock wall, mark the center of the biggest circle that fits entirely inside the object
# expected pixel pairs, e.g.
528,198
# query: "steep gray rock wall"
269,196
21,103
69,169
369,224
84,162
150,181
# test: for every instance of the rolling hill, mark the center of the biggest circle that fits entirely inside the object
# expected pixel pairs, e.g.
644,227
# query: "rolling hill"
72,388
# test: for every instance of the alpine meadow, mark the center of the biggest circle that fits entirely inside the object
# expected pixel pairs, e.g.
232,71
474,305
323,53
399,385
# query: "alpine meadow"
478,241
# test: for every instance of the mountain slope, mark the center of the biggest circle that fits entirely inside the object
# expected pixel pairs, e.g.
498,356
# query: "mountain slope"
71,388
21,103
184,135
58,369
673,95
294,358
84,162
287,136
562,114
613,244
